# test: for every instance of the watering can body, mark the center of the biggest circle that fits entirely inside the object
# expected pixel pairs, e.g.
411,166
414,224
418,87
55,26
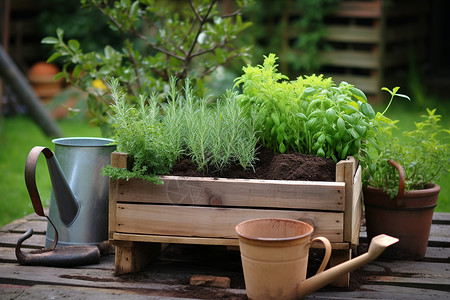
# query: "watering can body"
79,200
274,255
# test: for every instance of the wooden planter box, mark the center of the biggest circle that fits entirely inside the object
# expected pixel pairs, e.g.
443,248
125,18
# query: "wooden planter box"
204,210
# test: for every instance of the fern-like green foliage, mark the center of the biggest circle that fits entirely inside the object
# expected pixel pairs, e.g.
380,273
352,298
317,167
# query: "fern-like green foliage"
156,135
310,115
140,133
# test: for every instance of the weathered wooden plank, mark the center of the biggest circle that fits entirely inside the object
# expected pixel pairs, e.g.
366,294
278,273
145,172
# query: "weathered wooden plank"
441,218
358,9
79,276
235,192
420,282
175,239
438,253
352,34
199,241
350,59
411,269
214,221
368,291
439,235
152,283
10,240
39,227
41,291
7,254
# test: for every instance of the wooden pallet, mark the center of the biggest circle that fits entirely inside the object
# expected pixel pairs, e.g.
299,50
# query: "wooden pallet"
169,274
371,42
191,210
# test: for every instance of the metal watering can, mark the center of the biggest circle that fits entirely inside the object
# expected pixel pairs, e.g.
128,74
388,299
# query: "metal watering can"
78,214
274,255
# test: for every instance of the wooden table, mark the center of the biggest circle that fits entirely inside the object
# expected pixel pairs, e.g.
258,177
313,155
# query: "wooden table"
168,276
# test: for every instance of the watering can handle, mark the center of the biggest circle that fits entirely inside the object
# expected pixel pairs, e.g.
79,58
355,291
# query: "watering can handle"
30,181
327,256
401,185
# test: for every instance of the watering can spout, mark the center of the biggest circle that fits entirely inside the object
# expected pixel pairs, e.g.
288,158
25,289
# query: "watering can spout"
376,247
67,203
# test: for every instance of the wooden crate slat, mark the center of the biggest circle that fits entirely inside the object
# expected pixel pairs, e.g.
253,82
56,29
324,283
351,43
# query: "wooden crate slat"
236,192
168,239
214,222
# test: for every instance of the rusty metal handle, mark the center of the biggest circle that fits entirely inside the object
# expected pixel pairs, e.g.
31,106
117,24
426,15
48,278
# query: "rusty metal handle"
30,182
401,185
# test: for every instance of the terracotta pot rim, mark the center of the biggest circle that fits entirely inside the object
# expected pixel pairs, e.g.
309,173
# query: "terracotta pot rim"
241,234
433,188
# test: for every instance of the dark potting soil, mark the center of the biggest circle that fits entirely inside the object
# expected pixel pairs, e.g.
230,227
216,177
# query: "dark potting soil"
292,166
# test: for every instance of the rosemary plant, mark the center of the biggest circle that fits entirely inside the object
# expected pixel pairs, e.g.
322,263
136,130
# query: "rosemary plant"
212,136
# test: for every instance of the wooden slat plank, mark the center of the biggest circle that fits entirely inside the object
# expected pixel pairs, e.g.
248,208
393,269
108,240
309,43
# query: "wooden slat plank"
437,253
359,9
350,59
10,240
441,218
39,227
357,208
8,254
352,34
199,241
416,269
214,222
371,291
368,84
236,192
431,283
175,239
439,236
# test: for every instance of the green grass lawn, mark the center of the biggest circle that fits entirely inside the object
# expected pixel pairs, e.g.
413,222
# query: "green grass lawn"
18,135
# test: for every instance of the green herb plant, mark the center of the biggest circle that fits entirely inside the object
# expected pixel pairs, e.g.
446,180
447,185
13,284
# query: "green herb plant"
424,154
214,136
159,39
141,134
310,115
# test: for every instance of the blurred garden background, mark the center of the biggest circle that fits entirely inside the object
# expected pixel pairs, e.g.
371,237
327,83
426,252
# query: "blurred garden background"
368,43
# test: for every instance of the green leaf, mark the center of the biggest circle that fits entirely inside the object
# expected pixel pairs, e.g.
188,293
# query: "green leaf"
282,148
59,33
74,45
367,110
275,118
358,94
50,40
53,57
341,126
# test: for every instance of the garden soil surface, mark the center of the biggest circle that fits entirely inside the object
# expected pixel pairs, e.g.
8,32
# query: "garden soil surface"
291,166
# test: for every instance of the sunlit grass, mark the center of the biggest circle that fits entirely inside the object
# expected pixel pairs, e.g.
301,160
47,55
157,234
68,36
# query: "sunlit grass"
18,135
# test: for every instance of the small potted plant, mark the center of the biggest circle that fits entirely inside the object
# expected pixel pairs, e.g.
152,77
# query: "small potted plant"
399,184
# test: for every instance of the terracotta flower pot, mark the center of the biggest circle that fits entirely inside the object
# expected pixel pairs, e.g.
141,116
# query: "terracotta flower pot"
408,217
41,76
